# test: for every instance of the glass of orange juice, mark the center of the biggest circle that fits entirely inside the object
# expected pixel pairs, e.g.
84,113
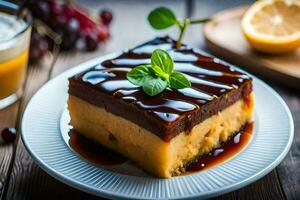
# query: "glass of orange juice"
14,49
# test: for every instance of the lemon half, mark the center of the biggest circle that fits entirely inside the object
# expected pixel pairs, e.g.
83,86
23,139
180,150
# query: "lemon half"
273,26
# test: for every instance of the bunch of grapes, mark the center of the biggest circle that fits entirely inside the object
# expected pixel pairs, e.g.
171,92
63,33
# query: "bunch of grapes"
71,23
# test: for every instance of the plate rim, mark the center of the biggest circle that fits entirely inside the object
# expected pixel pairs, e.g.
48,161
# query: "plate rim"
104,193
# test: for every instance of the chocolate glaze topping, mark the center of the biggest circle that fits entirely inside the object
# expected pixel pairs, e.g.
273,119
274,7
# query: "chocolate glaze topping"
215,86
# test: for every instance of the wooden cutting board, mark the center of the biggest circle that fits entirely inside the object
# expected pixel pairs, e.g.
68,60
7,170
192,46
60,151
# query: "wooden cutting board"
224,39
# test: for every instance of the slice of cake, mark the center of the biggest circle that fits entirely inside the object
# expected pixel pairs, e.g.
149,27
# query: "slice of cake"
162,133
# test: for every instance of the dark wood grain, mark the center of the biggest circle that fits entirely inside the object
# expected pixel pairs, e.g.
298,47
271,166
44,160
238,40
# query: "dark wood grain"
28,181
8,118
266,188
288,170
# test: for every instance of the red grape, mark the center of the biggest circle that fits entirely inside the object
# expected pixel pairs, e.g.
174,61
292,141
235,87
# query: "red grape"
106,17
73,25
9,135
91,41
40,9
61,20
70,22
56,8
68,12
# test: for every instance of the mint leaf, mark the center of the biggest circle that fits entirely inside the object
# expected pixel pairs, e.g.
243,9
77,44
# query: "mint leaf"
163,60
179,81
161,18
159,72
154,86
139,74
155,78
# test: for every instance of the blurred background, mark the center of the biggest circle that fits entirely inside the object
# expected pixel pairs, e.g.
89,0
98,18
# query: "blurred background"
114,25
129,24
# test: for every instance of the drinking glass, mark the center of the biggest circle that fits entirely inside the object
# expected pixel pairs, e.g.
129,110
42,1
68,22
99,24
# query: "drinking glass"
14,49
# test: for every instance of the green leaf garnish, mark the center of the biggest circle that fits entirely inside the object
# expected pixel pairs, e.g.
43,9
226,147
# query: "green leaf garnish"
163,60
179,81
154,86
161,18
155,78
139,74
159,72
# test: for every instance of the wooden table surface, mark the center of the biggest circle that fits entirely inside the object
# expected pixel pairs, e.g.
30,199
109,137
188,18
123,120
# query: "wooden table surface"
21,178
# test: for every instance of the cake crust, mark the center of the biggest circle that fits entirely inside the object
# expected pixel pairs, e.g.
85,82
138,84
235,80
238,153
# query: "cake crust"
160,158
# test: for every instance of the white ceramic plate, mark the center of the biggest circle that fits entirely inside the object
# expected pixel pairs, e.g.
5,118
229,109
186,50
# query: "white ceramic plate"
45,123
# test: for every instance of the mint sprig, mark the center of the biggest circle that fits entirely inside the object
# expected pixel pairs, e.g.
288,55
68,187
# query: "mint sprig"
162,18
154,78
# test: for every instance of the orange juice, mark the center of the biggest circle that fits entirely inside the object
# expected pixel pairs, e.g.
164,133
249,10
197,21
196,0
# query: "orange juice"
14,49
12,73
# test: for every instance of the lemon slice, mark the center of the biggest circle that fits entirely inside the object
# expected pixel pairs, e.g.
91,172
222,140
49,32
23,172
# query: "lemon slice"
273,26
